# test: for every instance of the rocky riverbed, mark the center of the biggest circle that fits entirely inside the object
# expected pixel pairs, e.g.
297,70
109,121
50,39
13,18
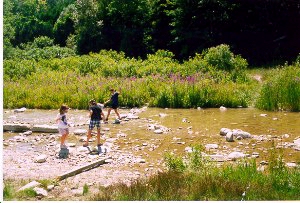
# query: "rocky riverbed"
134,148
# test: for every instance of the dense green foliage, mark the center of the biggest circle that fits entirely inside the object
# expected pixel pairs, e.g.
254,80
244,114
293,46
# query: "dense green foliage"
159,80
261,31
282,91
197,178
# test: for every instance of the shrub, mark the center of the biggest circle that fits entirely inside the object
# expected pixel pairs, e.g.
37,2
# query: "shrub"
174,163
222,58
282,91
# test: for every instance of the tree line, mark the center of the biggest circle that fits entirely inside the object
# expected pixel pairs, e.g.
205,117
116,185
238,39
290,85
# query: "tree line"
262,31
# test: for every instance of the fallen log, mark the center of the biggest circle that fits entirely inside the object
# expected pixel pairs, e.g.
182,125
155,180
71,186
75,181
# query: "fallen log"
82,169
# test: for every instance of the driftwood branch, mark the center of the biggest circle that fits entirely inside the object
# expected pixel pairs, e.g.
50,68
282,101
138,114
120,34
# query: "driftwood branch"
82,169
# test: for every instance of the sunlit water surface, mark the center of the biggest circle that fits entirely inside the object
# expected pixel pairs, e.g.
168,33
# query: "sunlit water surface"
187,128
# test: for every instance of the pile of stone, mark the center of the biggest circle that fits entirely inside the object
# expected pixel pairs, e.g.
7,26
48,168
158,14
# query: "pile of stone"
235,133
158,129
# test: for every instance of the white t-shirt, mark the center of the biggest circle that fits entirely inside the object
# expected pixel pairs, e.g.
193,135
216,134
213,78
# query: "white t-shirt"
62,122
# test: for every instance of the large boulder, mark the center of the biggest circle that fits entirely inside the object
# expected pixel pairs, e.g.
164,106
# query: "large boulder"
45,128
224,131
240,133
229,137
15,127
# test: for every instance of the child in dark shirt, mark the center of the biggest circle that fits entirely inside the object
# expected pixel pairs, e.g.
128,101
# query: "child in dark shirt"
95,115
114,99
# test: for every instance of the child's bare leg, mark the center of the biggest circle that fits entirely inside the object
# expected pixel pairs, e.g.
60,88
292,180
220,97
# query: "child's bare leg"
108,113
116,111
98,136
88,138
63,138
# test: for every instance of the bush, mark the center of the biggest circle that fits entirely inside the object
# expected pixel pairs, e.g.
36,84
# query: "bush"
282,91
222,58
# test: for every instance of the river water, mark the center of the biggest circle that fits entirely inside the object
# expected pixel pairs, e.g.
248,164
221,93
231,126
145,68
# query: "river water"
187,127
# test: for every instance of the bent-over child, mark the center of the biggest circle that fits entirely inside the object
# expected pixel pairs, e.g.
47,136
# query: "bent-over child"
95,115
114,99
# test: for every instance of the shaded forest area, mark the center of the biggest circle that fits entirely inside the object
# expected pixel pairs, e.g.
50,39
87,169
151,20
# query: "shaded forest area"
263,31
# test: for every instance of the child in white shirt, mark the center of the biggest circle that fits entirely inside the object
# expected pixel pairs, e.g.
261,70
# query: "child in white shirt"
63,126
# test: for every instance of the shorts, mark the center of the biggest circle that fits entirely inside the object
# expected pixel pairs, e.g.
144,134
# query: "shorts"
114,106
94,123
63,131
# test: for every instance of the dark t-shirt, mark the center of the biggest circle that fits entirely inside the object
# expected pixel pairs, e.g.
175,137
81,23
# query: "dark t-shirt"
114,99
96,115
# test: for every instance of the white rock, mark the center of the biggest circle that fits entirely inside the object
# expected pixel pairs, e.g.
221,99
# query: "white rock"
41,191
80,132
189,149
18,138
211,146
131,116
162,115
30,185
71,144
240,133
217,157
158,131
291,165
286,136
121,135
108,160
50,187
224,131
236,155
222,108
229,137
297,141
27,133
41,158
20,110
263,115
139,160
83,149
111,139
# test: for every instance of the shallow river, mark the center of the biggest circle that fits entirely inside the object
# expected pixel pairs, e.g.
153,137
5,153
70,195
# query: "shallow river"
188,127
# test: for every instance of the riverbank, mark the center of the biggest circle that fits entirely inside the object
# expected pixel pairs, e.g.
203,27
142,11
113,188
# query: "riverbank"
137,146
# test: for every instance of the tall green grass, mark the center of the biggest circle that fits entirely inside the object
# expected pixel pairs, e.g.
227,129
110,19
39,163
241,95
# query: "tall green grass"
213,78
52,88
282,91
196,178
